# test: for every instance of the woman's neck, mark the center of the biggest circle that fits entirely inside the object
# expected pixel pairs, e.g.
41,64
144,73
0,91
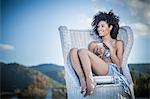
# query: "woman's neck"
107,37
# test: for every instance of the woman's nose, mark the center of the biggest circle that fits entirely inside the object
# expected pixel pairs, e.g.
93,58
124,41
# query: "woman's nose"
99,28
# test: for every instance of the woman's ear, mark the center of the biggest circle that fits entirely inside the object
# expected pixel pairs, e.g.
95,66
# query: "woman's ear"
110,28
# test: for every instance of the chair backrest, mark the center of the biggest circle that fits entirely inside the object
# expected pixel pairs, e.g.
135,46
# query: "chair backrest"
81,38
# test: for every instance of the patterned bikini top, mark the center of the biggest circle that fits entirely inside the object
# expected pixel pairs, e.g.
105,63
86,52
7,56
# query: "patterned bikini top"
106,54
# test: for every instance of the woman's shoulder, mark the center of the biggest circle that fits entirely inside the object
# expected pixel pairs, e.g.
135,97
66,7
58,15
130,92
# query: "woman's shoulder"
119,43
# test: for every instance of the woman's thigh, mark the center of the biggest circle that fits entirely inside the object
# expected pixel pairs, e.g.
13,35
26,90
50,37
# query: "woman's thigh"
99,66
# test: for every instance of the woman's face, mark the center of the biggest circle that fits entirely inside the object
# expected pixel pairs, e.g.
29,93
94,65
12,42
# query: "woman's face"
103,28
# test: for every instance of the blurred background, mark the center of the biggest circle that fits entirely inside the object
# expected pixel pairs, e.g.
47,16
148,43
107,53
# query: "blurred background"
29,40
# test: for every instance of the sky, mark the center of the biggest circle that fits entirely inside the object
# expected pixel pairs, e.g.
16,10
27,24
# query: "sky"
29,28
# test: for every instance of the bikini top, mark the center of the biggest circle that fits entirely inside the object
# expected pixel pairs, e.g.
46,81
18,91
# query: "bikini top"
106,54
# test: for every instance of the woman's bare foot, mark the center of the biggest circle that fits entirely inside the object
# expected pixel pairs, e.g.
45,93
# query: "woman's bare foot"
91,84
83,86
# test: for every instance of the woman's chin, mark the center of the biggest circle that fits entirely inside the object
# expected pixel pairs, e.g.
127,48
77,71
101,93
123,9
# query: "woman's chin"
100,35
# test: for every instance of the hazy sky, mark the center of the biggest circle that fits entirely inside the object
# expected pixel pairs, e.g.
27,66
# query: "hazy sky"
29,29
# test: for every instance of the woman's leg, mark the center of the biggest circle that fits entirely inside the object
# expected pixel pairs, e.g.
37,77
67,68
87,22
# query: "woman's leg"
77,67
91,62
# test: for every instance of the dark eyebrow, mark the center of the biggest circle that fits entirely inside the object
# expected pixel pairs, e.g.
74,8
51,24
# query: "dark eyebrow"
98,25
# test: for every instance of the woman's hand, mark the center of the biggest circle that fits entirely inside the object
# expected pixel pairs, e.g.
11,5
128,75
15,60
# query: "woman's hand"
110,46
99,51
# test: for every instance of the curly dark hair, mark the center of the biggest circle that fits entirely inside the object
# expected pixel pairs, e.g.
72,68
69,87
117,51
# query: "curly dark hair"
110,18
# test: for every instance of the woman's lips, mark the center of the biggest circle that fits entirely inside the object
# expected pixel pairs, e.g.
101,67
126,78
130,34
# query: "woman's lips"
100,33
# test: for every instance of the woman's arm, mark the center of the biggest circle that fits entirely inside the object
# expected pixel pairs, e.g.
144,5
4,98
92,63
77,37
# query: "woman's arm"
92,46
117,54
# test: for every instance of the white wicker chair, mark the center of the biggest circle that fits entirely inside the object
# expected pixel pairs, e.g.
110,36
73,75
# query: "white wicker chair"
80,39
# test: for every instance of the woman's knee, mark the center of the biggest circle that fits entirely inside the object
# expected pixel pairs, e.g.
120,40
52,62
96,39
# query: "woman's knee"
73,51
82,51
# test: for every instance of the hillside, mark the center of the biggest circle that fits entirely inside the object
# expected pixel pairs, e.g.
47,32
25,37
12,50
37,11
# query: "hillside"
13,75
141,78
143,68
26,82
53,71
34,82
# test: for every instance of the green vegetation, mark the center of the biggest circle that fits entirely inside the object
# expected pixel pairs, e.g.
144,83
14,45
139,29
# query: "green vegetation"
34,82
38,88
141,83
22,82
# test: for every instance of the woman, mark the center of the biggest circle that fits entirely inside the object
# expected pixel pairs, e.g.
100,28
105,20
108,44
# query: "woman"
101,58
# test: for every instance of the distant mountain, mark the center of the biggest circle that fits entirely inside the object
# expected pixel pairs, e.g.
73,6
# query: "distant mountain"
14,76
33,81
26,82
143,68
53,71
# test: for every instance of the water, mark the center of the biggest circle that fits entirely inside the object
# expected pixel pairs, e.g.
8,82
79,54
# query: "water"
49,94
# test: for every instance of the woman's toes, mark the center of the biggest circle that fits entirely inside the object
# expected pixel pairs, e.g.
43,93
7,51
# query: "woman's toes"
83,85
91,84
82,91
91,92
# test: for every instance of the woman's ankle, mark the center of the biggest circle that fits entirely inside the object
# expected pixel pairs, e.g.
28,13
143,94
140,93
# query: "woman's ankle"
90,77
83,85
91,84
82,78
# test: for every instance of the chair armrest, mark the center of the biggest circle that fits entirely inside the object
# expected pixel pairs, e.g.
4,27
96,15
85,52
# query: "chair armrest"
105,79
